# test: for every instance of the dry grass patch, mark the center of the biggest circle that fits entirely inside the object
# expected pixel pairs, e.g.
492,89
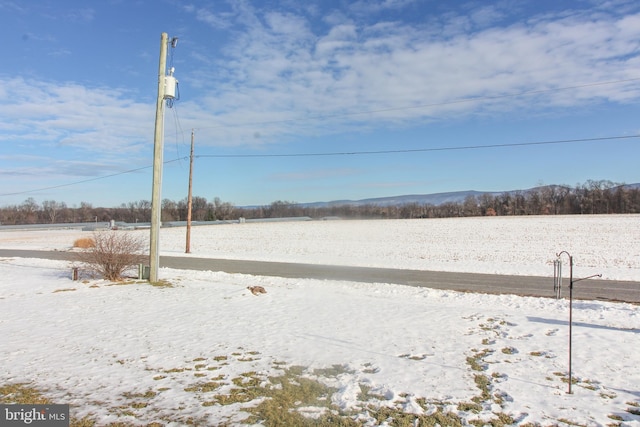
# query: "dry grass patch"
84,243
22,394
203,387
146,395
173,370
162,283
509,350
400,418
476,362
286,394
633,409
333,371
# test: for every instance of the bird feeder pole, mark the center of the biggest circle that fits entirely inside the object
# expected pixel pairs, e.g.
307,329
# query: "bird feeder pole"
571,282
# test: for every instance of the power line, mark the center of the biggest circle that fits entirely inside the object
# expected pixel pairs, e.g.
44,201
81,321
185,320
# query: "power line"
338,153
53,187
422,150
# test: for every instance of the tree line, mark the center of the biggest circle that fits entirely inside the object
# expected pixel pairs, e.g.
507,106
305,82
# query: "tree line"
592,197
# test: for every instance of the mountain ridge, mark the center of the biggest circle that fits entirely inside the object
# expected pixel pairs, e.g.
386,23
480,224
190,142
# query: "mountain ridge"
432,199
435,199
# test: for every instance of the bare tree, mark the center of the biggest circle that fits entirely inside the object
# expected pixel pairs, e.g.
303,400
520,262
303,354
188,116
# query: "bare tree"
221,210
557,195
85,213
280,209
170,210
471,206
52,209
519,203
29,211
535,202
199,208
10,215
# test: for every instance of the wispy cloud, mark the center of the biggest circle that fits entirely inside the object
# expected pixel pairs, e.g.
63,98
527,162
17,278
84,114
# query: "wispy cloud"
284,75
12,6
216,19
37,37
391,184
375,6
280,68
84,15
55,169
95,120
315,174
60,52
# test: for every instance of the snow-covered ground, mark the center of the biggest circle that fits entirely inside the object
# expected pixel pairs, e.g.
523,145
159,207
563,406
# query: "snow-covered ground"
102,347
606,244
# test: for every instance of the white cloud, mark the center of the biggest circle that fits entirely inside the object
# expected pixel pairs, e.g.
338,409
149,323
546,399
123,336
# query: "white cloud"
375,6
357,67
342,36
286,23
215,20
286,75
315,174
85,15
486,15
98,120
60,52
12,6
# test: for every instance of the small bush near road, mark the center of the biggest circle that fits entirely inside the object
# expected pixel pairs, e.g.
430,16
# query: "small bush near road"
84,243
113,253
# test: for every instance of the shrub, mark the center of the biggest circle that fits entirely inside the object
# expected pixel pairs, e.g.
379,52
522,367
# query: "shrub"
113,253
84,243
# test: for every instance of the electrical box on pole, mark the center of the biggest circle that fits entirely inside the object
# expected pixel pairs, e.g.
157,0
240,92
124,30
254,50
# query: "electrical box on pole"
170,84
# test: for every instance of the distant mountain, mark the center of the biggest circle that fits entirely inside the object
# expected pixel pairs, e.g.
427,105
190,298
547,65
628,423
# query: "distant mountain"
435,199
421,199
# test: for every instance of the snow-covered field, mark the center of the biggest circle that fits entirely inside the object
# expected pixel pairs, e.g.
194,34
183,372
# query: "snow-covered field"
138,353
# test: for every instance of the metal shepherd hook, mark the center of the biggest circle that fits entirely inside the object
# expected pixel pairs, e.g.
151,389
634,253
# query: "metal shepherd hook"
571,282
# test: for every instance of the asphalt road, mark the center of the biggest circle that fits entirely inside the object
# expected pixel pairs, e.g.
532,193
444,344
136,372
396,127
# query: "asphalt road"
596,289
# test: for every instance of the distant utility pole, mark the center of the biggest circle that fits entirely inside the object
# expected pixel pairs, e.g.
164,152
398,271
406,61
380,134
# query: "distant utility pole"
189,198
158,148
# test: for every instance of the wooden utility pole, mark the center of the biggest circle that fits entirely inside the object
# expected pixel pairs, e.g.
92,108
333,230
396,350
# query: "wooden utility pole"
158,148
189,199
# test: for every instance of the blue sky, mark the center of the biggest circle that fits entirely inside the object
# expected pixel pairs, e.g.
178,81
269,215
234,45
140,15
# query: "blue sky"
263,82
